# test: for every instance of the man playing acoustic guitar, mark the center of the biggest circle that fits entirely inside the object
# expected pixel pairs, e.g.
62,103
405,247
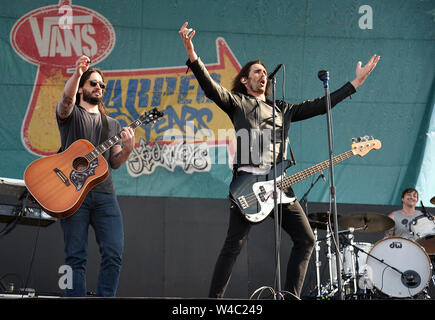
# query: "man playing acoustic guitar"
81,114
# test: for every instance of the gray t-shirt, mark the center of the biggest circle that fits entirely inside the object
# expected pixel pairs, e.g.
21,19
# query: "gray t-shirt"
84,125
401,223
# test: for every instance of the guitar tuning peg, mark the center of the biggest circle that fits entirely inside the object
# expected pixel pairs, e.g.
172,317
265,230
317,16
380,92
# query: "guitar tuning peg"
366,138
353,140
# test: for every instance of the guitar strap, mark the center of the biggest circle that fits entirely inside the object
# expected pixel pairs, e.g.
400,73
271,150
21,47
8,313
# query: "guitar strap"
104,130
104,134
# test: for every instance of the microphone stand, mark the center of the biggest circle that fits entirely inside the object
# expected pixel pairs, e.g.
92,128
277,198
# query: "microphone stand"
324,77
317,247
278,295
275,197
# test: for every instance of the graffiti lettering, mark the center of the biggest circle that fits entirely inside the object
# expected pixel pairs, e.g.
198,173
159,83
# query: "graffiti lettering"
148,92
146,158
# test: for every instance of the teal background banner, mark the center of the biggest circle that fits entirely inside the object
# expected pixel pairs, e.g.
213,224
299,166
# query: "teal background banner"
136,44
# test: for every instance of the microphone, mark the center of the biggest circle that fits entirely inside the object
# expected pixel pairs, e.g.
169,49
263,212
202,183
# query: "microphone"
323,75
272,75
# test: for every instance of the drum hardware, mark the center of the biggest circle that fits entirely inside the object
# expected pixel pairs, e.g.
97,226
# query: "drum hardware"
394,267
320,220
318,264
364,282
354,256
409,281
330,289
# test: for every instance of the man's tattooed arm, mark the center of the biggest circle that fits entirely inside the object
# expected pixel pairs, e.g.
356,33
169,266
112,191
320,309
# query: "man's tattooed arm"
65,106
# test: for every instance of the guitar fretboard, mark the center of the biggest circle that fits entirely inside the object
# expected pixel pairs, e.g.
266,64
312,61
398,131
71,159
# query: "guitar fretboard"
109,143
301,175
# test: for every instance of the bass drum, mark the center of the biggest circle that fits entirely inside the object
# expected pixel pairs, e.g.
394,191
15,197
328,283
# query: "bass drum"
406,268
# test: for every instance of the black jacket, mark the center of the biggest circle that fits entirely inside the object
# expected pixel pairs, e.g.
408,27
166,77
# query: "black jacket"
253,116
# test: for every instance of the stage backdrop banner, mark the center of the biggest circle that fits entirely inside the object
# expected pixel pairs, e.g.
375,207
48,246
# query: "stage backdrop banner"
188,152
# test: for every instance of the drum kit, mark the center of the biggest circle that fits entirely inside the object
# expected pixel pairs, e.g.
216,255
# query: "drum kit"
393,267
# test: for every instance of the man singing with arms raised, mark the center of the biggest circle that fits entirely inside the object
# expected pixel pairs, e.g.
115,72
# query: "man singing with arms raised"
249,108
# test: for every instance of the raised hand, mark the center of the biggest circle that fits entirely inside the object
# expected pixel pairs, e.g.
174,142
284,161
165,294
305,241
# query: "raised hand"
82,65
362,73
186,36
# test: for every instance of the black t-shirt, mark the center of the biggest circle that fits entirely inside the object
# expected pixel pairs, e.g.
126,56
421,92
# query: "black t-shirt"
84,125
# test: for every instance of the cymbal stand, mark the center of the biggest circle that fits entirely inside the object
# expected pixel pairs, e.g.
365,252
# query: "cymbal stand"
318,264
329,257
353,259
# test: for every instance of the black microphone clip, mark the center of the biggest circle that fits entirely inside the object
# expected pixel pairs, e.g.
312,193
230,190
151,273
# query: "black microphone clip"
272,75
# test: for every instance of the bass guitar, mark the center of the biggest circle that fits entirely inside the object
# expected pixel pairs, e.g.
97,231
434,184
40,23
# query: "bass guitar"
60,182
253,194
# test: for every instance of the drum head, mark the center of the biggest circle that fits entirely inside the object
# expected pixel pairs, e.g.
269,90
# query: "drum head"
400,256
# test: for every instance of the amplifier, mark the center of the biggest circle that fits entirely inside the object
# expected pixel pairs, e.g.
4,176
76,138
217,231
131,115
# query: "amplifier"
16,205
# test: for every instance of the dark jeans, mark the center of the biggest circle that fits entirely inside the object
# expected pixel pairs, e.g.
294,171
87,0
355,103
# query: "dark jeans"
294,222
102,212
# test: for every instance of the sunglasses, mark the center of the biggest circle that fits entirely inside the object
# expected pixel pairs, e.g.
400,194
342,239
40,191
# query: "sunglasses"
94,83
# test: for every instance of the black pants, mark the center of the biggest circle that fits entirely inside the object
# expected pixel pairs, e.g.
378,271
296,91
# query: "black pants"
294,222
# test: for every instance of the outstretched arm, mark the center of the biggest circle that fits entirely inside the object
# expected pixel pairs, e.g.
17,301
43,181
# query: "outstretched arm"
186,36
66,103
363,72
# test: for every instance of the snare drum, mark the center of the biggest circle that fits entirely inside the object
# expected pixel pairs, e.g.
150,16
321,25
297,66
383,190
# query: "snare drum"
422,230
407,257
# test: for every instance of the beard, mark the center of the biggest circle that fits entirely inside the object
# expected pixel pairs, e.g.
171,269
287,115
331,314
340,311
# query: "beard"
87,96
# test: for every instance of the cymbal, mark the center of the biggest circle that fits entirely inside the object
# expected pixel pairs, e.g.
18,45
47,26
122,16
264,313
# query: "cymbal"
318,224
432,200
374,222
319,220
320,216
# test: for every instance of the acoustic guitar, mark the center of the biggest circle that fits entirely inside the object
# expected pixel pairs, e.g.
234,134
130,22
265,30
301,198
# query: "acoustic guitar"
60,182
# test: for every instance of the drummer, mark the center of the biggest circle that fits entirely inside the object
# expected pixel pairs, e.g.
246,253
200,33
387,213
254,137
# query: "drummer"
404,216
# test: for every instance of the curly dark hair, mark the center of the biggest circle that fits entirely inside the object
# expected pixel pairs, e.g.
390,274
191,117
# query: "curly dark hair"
239,87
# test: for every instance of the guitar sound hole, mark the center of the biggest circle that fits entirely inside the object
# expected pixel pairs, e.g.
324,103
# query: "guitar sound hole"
80,164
